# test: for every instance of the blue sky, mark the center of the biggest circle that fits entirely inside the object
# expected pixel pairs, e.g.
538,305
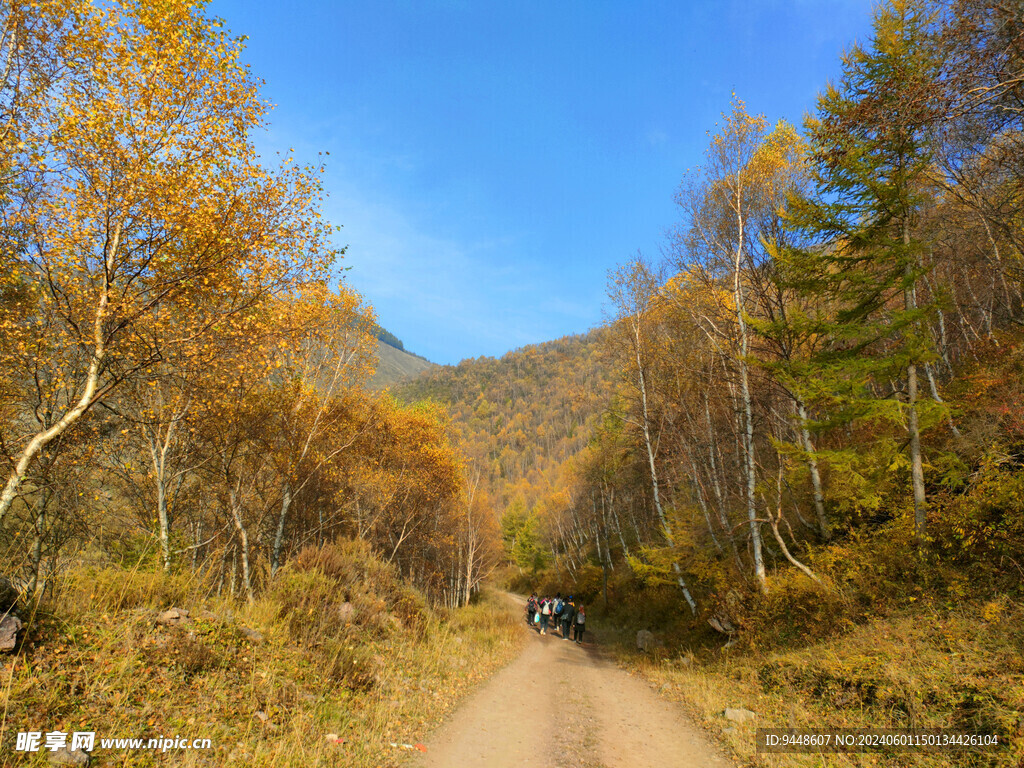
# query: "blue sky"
490,161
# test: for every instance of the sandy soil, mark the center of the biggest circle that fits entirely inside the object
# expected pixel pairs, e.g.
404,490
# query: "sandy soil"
560,705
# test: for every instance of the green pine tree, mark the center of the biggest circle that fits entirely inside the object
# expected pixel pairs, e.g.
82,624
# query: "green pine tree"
859,320
520,532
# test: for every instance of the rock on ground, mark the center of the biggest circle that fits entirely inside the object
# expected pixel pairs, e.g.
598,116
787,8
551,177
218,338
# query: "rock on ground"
10,626
172,616
69,757
738,714
644,640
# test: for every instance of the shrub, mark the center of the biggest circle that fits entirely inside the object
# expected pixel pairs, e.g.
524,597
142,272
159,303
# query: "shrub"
793,610
342,590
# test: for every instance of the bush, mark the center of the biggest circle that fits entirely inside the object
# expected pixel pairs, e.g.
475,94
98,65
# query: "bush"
793,610
984,527
341,590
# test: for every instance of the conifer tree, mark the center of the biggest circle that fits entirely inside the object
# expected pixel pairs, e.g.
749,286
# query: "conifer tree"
870,168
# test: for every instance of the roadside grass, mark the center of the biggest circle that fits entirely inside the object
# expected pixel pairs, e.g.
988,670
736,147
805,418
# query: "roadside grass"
336,646
960,669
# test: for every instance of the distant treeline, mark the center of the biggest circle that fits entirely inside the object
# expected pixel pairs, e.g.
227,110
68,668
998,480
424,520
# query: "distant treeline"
391,340
387,337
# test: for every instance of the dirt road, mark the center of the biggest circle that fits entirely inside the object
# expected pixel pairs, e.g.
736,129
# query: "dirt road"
564,706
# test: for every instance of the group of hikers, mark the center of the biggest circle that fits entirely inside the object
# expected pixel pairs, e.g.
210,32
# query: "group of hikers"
567,614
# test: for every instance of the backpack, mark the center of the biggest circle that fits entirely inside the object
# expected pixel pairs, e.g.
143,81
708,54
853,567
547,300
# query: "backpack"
547,609
559,606
580,618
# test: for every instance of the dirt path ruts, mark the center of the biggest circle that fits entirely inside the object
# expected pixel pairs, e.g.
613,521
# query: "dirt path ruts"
564,706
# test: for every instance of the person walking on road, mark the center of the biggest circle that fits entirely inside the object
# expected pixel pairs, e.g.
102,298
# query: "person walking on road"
545,615
568,614
580,624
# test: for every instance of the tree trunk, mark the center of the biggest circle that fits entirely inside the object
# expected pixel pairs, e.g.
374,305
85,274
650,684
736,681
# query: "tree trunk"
37,545
470,565
748,410
649,445
750,468
89,388
286,503
812,467
916,463
243,540
618,524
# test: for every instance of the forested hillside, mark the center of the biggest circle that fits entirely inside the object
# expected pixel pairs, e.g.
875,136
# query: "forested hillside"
522,416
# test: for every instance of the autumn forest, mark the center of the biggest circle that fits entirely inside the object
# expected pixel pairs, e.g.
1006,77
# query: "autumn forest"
802,416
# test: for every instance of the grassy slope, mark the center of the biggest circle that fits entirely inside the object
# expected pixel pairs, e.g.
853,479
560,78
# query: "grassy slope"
387,672
929,667
396,365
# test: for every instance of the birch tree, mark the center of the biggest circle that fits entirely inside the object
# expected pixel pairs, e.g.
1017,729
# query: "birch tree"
715,244
631,289
141,217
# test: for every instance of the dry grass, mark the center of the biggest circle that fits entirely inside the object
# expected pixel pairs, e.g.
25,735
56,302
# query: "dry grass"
386,669
961,669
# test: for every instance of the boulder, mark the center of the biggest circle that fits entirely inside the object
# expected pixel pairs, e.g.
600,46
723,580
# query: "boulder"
65,756
172,616
10,626
644,640
739,715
